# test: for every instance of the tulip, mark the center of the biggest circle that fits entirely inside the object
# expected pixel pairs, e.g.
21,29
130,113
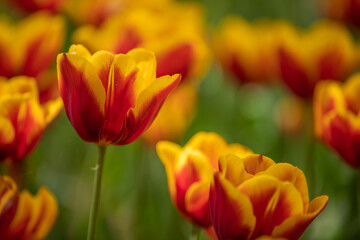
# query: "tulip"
111,99
174,117
29,47
325,51
253,197
337,117
248,50
189,172
176,35
22,117
345,10
34,5
24,216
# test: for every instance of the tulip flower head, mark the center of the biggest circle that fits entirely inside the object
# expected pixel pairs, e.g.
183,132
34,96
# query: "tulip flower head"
248,50
175,35
24,216
326,51
190,169
30,46
108,98
253,197
22,117
337,117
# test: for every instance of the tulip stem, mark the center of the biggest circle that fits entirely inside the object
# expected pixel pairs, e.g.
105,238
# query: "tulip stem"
195,233
309,158
95,202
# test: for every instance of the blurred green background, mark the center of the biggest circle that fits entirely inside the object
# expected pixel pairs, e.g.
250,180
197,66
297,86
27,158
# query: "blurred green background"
135,199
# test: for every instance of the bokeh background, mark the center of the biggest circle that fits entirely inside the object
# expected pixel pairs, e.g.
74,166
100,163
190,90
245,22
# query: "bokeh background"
135,199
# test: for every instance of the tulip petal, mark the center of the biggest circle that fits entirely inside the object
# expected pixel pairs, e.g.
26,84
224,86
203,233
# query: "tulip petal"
120,97
146,64
102,61
83,95
197,203
273,201
293,227
287,172
169,154
231,211
147,107
256,163
233,169
7,131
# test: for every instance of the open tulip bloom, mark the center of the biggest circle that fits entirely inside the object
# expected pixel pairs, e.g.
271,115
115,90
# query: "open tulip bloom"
110,99
239,195
24,216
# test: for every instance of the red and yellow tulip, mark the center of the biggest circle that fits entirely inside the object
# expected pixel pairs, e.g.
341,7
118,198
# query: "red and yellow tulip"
30,46
190,169
22,117
248,50
337,117
252,197
174,116
344,10
24,216
175,35
108,98
325,51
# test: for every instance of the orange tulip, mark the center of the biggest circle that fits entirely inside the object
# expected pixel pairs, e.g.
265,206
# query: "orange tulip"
23,216
345,10
174,117
176,35
253,197
111,99
22,117
189,171
248,50
337,117
36,5
326,51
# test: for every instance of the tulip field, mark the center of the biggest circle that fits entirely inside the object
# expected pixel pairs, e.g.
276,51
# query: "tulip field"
174,119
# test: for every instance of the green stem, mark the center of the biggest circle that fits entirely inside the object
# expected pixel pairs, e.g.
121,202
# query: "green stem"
358,196
309,158
95,202
195,233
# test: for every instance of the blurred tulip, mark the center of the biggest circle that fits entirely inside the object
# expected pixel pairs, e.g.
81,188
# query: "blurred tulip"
325,51
189,171
22,117
337,117
111,99
174,117
23,216
344,10
253,197
103,9
36,5
30,46
248,50
176,35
